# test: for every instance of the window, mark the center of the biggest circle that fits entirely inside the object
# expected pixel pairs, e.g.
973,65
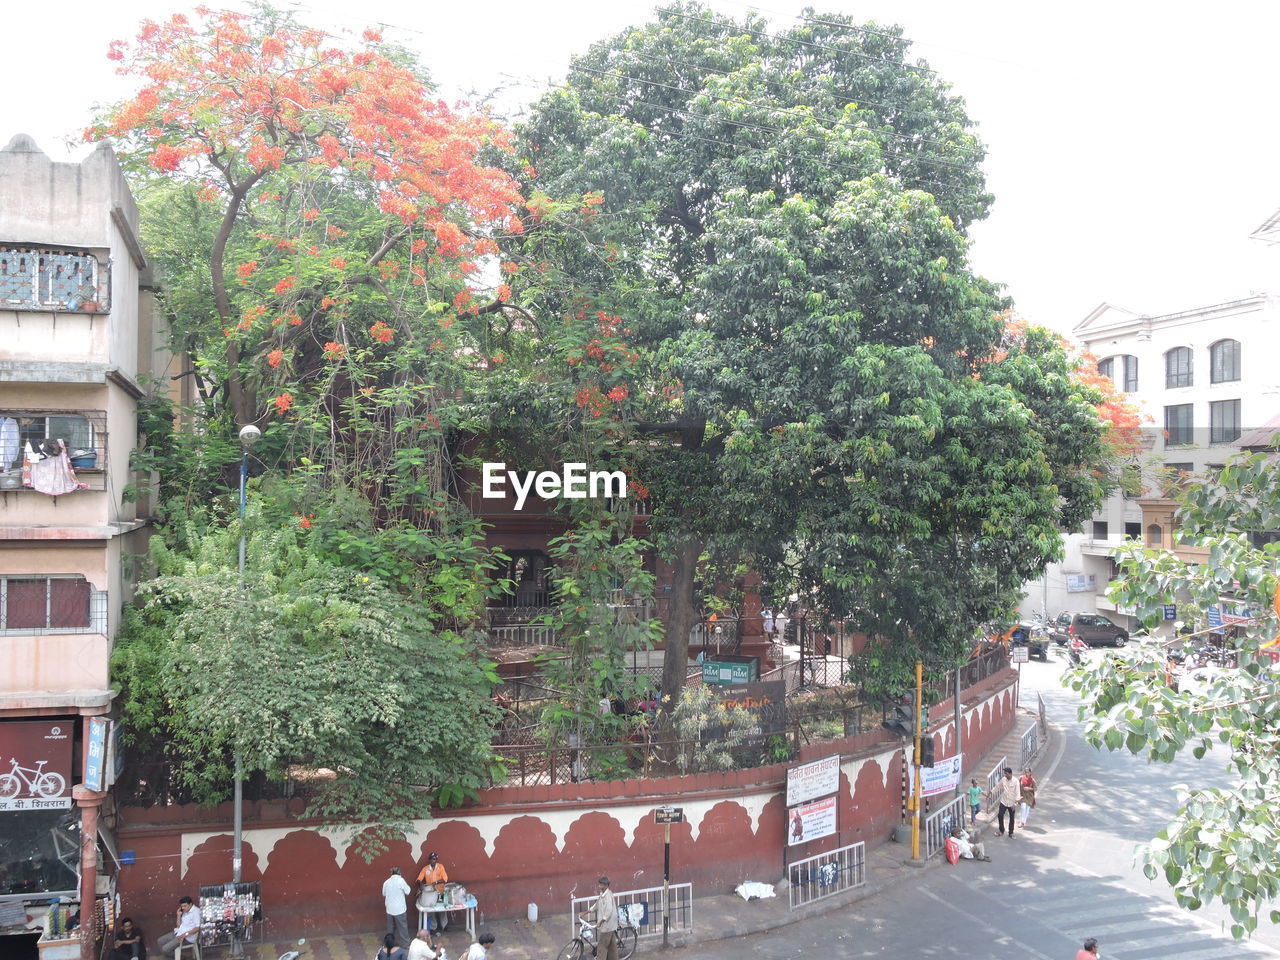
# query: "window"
1132,531
51,605
1099,529
1177,425
82,431
1130,374
1179,468
34,278
1224,421
1107,367
1155,535
1224,361
1177,368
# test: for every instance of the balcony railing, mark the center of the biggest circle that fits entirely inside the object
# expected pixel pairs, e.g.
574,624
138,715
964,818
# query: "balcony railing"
36,278
83,431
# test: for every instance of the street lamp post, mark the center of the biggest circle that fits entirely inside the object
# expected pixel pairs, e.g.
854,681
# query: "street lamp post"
249,435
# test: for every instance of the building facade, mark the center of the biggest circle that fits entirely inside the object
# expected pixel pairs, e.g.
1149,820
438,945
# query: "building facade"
1205,379
77,343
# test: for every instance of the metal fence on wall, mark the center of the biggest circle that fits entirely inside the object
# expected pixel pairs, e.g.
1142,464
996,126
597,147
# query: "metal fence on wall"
680,897
993,778
1030,745
827,874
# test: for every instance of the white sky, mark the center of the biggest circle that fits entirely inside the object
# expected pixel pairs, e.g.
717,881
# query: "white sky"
1131,146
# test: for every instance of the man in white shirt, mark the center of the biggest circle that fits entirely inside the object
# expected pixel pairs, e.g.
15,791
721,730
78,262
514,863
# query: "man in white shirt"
968,849
394,891
606,922
480,949
187,930
421,948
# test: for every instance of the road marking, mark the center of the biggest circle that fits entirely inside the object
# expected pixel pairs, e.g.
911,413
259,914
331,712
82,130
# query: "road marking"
1029,952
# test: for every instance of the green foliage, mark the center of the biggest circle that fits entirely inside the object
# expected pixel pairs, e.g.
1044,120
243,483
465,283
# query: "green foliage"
1220,844
708,731
822,388
301,663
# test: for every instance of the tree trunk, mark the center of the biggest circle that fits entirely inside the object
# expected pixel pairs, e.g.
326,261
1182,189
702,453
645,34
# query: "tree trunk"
682,614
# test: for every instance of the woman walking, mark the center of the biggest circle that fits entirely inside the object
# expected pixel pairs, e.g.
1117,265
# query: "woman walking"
1027,785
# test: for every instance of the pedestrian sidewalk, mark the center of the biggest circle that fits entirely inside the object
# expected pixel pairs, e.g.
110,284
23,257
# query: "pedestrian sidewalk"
715,917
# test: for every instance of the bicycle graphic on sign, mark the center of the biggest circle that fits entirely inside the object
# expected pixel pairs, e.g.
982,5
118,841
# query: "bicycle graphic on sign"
47,786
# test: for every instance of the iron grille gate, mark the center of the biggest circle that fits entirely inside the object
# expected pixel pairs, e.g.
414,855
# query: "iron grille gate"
651,898
827,874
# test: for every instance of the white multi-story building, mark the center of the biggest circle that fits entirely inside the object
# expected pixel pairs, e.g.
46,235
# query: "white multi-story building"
1205,378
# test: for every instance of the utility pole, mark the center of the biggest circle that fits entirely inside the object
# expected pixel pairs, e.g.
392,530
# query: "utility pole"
916,791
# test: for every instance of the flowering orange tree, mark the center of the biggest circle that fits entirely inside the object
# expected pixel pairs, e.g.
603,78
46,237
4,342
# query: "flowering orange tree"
343,220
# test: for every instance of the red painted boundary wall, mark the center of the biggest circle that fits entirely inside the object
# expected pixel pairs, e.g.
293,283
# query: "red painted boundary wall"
543,844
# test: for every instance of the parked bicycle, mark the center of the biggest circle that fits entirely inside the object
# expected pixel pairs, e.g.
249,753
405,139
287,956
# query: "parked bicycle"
584,944
39,784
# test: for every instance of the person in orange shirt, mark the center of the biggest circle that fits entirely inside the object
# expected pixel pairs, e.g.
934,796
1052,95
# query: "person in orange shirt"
434,875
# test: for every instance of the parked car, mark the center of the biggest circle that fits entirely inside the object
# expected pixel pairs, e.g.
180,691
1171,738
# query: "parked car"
1093,628
1058,629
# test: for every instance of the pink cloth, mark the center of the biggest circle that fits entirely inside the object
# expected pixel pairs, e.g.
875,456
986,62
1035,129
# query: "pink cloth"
51,475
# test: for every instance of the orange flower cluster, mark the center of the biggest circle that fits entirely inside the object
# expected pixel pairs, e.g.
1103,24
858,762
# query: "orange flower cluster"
334,351
283,402
381,332
274,358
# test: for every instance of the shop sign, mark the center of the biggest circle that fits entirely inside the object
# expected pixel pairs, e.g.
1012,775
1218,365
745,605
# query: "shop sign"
811,821
812,780
39,755
724,672
95,759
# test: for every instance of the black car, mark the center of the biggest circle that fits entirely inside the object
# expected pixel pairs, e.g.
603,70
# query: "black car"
1093,628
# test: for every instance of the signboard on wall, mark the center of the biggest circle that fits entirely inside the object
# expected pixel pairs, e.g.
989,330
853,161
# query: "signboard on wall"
812,780
811,821
38,757
767,699
942,777
1081,582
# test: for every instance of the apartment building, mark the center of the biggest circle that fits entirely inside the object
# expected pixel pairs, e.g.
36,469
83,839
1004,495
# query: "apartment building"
1206,378
77,343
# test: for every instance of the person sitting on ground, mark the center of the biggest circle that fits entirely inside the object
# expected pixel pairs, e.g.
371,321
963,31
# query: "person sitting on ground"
480,949
390,949
130,943
187,930
964,842
1089,951
421,948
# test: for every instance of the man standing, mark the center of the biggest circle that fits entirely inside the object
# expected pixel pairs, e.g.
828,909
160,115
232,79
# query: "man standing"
434,877
394,891
1008,793
606,923
186,931
130,944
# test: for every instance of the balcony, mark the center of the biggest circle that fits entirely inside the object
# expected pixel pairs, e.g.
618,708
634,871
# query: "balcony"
52,280
83,431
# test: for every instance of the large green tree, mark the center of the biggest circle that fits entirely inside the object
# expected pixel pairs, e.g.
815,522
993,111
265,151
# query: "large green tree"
1222,842
820,385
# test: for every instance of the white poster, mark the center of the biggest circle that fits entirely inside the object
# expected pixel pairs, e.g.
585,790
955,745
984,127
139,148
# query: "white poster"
811,821
942,777
812,780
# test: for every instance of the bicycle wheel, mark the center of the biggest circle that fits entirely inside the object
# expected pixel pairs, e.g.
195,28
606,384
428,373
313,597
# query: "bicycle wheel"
9,786
627,940
572,950
51,785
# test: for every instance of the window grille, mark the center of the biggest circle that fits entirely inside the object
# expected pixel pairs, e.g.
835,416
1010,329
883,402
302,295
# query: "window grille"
34,278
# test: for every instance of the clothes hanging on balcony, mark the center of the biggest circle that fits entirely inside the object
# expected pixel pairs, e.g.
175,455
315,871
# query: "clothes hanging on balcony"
51,474
10,442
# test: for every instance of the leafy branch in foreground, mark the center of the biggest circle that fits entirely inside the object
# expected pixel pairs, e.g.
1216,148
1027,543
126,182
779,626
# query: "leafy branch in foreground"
1223,843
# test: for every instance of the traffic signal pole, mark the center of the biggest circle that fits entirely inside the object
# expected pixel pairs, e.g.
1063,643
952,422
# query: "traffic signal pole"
916,791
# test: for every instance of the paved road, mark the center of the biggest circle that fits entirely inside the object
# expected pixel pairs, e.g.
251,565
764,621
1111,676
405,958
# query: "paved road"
1069,875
